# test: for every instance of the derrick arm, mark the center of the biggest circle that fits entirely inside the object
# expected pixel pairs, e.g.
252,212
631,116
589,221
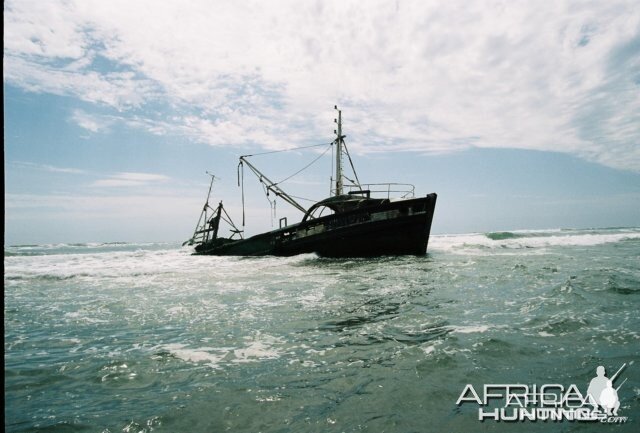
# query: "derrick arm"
272,186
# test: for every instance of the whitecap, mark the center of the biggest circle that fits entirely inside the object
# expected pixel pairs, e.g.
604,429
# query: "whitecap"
258,350
469,329
478,243
204,354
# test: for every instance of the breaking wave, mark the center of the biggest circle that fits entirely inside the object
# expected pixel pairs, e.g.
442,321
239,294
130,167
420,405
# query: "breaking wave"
530,239
80,248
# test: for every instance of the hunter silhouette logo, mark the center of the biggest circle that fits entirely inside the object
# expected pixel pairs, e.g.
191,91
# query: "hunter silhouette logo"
549,402
602,393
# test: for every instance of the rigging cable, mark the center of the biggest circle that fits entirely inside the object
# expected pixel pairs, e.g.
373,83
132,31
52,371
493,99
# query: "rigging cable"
285,150
302,198
268,188
241,184
331,177
306,166
272,203
352,167
275,214
353,182
229,221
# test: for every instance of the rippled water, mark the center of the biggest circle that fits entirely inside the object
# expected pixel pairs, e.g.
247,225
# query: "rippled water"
124,337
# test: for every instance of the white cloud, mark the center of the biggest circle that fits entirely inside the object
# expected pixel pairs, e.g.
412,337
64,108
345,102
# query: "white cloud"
47,167
130,179
91,122
411,75
119,90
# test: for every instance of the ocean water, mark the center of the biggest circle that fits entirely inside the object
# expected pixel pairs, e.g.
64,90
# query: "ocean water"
145,337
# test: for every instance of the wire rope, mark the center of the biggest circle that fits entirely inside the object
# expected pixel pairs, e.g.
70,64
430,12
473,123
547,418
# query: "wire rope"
285,150
306,166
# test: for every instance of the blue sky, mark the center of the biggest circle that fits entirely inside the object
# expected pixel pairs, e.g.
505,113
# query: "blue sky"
518,114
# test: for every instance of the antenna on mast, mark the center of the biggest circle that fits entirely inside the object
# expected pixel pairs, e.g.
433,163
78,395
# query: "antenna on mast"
339,143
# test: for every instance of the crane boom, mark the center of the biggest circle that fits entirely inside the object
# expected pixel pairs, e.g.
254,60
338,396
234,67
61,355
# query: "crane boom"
272,186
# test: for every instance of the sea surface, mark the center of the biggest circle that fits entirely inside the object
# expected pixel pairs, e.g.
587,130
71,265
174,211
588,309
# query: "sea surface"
145,337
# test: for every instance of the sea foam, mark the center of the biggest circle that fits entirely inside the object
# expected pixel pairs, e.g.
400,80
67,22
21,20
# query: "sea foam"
529,239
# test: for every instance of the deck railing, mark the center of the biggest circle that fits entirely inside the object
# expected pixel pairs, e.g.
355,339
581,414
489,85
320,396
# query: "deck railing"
388,190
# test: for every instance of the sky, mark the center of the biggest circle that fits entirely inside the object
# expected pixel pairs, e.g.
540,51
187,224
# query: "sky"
519,114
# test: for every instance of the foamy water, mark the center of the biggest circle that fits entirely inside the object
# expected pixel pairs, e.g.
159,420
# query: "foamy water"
520,239
146,337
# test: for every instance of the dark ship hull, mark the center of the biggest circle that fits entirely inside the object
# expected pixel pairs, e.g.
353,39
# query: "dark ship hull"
374,228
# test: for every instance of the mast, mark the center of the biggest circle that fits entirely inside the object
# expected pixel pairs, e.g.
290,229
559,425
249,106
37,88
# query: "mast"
339,142
202,221
203,214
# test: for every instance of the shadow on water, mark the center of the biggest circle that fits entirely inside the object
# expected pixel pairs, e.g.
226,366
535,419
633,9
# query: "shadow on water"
612,280
59,427
428,333
373,310
623,283
385,311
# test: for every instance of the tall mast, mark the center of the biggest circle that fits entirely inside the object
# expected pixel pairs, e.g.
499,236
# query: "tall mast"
200,229
339,154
